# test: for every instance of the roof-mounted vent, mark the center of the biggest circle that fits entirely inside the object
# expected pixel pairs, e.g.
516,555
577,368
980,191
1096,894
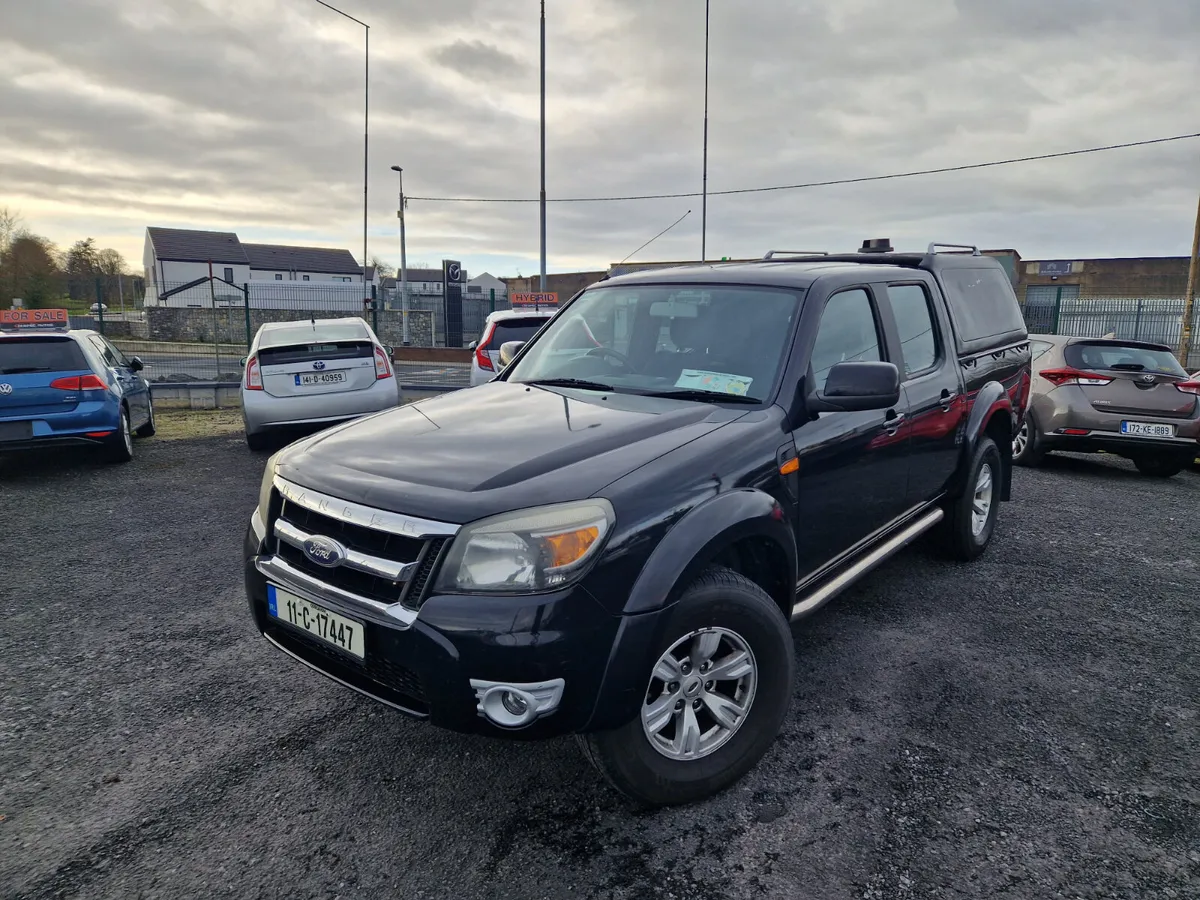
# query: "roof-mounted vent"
876,245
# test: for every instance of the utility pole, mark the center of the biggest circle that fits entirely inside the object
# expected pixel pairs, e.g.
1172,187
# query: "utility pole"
403,259
704,199
1189,300
542,287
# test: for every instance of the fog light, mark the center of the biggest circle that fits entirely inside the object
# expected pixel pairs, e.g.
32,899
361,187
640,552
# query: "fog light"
516,705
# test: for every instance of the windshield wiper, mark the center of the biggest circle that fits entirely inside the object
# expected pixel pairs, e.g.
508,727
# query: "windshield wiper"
703,396
570,382
21,370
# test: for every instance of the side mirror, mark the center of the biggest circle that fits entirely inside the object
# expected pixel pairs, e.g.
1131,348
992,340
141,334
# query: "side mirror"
242,361
136,364
508,350
858,386
472,345
390,351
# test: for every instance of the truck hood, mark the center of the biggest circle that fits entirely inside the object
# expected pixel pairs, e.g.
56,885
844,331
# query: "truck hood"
478,452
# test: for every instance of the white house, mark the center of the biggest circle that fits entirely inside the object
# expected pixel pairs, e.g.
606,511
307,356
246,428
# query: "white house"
175,258
484,284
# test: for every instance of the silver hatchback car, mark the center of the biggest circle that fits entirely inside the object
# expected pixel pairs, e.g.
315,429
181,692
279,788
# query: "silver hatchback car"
317,372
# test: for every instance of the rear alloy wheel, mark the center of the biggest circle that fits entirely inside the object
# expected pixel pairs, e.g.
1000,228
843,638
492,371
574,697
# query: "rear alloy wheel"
1025,446
119,447
716,696
971,517
1161,466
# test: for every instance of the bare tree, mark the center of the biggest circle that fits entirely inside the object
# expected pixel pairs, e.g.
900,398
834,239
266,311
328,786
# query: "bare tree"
10,227
382,269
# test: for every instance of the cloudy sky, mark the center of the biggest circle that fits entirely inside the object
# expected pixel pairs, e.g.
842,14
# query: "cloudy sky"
246,115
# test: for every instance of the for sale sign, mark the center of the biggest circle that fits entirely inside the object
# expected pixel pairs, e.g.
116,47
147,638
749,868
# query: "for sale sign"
34,320
536,299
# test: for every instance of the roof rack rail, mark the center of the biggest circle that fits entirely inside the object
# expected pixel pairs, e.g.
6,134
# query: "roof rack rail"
933,248
771,254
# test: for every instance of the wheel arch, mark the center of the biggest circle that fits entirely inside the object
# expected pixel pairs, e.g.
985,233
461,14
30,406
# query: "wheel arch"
747,527
992,415
743,530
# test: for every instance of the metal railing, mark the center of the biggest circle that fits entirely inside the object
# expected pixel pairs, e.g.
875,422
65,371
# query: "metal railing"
199,332
1156,320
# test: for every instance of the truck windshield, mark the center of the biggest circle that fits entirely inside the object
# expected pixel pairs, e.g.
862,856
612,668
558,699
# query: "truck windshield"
663,339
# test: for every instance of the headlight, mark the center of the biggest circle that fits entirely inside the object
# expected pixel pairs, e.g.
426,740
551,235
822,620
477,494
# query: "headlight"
528,550
264,489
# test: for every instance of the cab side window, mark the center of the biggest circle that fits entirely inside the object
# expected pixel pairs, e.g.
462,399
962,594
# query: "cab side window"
847,333
914,322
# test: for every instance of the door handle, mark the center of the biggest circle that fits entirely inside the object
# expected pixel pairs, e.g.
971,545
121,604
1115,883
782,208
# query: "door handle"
947,399
892,421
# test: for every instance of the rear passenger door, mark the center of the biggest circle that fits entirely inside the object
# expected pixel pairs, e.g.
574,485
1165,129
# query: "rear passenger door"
853,472
931,386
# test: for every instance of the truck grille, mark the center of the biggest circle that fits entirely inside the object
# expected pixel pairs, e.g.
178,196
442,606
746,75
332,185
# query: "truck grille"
420,554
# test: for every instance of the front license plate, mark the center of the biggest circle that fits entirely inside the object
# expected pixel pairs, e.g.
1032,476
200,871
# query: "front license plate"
345,634
16,431
1147,429
321,378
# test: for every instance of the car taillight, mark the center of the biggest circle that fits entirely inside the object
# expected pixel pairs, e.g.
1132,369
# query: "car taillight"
1189,387
253,375
481,355
1059,377
79,383
382,369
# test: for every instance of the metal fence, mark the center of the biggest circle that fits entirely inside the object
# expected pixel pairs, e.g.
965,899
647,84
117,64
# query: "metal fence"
1132,318
200,331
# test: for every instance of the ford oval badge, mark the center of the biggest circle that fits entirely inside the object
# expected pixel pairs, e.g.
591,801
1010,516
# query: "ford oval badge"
324,551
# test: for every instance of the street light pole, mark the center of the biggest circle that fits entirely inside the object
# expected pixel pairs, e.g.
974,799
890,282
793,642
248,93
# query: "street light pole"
366,129
542,282
704,199
403,259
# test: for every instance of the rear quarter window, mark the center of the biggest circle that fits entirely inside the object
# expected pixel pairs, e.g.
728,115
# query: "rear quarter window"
982,303
40,355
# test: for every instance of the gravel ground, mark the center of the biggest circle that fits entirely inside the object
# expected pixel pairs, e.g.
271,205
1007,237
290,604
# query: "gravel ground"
1023,727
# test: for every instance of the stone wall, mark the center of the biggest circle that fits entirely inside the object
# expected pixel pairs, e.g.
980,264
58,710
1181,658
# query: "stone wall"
228,325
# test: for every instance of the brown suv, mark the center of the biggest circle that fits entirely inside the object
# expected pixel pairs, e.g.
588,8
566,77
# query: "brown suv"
1129,398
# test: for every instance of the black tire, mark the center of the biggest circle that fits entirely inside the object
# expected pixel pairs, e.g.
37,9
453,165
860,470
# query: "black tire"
257,442
119,447
724,600
1161,466
1027,449
147,430
959,538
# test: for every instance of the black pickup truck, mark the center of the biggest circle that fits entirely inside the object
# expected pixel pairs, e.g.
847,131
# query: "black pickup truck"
612,537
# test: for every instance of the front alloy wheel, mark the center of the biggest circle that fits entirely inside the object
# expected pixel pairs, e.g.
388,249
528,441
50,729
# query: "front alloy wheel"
700,693
718,688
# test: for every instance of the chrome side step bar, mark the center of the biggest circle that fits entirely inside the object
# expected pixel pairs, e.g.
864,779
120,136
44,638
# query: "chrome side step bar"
830,589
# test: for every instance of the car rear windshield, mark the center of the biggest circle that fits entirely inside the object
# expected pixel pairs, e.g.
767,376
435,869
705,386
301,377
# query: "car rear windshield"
19,355
514,330
313,333
300,353
1127,357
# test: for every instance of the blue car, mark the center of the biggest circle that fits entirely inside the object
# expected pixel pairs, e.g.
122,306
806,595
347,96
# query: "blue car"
61,387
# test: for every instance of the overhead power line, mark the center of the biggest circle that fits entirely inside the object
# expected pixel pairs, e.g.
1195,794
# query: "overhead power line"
813,184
